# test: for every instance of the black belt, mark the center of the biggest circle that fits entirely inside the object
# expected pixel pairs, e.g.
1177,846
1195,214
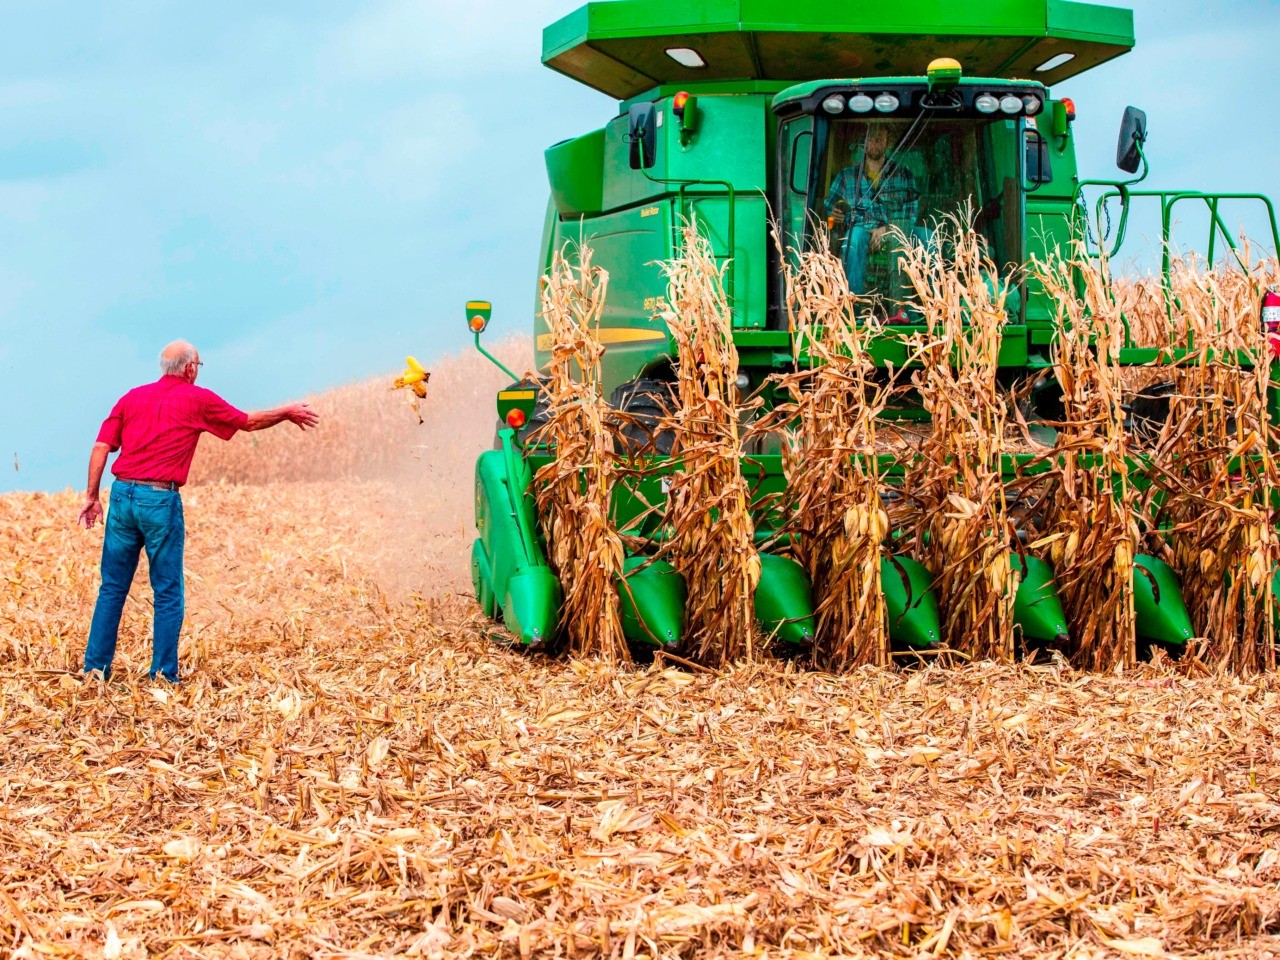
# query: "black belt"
157,484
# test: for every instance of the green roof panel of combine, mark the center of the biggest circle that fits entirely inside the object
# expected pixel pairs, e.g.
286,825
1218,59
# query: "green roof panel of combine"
619,47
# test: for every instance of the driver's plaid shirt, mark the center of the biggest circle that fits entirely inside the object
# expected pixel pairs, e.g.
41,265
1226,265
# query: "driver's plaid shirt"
892,199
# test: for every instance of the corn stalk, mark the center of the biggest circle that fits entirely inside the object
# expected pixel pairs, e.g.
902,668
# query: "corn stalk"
573,490
713,534
962,527
832,501
1090,502
1215,468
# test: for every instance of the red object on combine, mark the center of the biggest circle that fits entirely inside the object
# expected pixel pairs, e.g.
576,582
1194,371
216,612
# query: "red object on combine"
1271,320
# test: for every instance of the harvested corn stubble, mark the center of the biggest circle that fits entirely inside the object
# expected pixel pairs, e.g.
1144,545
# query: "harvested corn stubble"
573,490
832,501
955,479
1090,502
713,535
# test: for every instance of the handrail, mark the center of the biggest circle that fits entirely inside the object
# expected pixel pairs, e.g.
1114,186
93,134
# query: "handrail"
1168,200
1211,201
685,204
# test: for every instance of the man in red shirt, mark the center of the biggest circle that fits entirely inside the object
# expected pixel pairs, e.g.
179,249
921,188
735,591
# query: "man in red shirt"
156,428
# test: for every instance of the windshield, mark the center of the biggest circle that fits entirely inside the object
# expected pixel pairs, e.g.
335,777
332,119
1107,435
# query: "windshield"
873,175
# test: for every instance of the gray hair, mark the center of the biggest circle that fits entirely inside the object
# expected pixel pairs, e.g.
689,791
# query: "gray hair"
175,357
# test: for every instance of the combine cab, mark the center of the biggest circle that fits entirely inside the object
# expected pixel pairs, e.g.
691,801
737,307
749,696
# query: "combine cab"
733,112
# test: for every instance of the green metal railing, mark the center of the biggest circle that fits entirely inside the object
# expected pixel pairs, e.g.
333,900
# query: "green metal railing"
1170,199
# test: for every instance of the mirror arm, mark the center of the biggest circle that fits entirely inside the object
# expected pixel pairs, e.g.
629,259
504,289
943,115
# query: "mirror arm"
1121,187
492,359
1146,168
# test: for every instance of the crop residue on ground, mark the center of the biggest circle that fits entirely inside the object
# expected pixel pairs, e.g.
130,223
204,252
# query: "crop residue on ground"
351,771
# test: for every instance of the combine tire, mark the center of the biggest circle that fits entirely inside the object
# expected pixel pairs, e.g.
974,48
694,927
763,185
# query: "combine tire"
645,402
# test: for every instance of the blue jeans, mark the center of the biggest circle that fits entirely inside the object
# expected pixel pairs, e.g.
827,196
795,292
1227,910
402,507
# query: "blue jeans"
857,246
140,518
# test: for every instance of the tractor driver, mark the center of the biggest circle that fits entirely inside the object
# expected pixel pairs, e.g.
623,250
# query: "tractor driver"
868,198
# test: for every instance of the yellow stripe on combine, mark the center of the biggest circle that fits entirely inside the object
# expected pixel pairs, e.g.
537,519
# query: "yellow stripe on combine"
609,335
515,394
479,305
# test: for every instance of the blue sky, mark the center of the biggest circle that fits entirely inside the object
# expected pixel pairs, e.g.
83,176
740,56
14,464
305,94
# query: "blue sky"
311,190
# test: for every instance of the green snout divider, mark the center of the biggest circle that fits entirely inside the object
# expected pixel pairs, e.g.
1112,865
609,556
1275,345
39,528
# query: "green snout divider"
653,597
1160,611
784,600
508,568
1037,608
532,605
913,607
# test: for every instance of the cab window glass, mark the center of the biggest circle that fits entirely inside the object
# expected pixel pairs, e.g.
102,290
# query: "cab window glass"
880,174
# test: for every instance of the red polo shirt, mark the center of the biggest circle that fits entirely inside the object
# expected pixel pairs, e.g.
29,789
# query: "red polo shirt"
156,428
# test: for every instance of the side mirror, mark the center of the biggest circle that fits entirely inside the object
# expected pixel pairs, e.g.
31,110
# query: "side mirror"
1039,162
1133,133
478,313
642,134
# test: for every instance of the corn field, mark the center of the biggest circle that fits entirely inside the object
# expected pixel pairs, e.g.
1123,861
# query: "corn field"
352,767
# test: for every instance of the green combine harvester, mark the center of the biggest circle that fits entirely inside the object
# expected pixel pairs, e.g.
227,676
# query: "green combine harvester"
735,111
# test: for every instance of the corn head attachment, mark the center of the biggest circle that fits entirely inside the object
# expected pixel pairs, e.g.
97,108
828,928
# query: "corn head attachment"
872,390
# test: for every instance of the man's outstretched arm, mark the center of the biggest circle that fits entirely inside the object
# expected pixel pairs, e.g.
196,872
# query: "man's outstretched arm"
299,413
91,512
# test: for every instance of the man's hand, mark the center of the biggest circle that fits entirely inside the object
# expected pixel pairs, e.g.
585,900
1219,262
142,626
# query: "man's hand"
91,513
877,238
302,415
299,413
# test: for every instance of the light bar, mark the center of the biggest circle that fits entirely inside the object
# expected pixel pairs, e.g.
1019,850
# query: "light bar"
986,103
887,103
1011,104
861,103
